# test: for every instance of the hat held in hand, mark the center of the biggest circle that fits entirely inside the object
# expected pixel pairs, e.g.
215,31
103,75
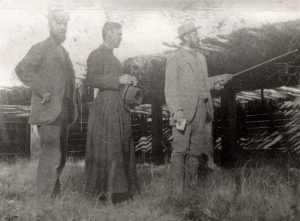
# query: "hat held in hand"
132,96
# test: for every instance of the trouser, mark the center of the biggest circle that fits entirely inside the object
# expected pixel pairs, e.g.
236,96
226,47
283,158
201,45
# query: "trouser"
53,155
52,159
191,148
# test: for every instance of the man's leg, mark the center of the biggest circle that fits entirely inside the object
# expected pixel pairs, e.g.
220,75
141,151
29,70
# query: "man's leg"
201,152
208,148
180,145
63,159
199,148
63,148
49,158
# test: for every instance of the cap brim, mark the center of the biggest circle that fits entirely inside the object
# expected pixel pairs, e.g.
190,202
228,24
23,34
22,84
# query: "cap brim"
194,29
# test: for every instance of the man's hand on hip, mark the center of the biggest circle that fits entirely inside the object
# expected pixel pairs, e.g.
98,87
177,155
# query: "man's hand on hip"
46,98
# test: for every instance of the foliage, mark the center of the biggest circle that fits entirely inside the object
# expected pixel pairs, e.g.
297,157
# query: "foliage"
252,192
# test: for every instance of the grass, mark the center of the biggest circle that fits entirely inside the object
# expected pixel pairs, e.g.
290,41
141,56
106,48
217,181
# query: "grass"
252,192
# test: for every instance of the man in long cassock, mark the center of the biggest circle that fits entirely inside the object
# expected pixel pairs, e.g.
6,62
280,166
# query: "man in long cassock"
48,71
110,160
187,92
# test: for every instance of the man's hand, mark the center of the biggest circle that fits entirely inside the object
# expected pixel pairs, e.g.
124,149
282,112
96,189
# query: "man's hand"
127,79
226,77
222,80
219,85
178,116
46,98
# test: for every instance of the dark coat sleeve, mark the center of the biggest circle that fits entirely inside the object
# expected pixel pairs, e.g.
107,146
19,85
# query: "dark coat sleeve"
96,76
27,69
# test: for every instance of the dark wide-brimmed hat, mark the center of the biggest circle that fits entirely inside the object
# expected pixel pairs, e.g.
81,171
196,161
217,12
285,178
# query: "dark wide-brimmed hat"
186,29
58,15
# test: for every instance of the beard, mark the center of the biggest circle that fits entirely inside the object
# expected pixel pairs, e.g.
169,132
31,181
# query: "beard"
194,44
116,43
59,37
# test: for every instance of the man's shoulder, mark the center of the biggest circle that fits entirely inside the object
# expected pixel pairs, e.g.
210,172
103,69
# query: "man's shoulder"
98,52
42,45
174,55
200,54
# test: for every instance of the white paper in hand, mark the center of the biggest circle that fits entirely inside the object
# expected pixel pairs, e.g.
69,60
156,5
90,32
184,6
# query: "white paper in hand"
182,125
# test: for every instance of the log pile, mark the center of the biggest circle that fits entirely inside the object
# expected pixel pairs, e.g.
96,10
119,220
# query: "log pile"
272,123
14,131
15,96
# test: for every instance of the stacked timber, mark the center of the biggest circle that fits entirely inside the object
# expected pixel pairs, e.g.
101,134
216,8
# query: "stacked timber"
269,124
250,46
15,96
233,53
259,112
14,131
142,133
14,127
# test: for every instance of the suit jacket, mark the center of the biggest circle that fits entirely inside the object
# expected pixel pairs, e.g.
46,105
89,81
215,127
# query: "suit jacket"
187,83
47,68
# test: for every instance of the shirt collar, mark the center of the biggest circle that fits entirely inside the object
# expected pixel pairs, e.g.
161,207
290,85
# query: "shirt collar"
191,50
106,47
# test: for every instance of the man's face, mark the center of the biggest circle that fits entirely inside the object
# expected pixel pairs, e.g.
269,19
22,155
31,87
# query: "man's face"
193,39
115,37
58,30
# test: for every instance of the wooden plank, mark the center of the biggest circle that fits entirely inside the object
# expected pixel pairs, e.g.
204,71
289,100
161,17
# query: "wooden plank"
229,135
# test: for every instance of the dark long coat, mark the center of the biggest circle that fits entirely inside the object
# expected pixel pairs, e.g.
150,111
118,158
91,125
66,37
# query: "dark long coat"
45,70
110,160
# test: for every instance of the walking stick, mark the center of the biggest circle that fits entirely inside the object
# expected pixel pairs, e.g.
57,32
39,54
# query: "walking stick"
265,62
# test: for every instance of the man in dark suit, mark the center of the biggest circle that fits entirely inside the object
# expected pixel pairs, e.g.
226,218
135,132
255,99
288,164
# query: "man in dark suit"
48,71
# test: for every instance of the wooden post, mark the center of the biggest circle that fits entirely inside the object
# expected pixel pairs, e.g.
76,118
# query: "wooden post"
156,127
262,95
229,127
157,88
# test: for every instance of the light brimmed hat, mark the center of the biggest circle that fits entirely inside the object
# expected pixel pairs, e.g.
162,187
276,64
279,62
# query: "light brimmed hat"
186,29
58,15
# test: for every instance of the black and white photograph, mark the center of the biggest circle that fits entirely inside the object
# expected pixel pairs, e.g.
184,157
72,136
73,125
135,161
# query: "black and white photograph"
153,110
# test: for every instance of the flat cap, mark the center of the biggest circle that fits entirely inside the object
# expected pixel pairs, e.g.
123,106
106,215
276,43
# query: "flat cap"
58,15
186,29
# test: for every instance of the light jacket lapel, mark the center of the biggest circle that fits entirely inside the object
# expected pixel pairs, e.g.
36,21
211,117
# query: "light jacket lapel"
188,58
192,61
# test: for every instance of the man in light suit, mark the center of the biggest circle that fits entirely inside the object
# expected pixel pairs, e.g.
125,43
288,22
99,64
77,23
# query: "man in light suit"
48,71
187,92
